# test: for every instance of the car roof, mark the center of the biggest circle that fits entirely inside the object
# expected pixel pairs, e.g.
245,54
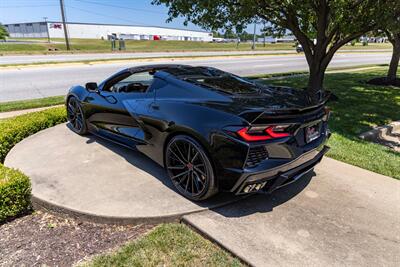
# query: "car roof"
157,67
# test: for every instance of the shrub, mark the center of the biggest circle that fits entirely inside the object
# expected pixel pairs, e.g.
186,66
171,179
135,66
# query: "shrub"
15,129
15,193
15,187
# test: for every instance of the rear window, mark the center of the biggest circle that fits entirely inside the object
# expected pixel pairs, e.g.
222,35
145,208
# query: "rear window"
215,79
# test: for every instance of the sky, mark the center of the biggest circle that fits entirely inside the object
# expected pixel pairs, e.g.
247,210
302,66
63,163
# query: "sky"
137,12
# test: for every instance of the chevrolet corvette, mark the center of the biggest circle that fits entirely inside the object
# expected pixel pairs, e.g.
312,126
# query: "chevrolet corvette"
211,130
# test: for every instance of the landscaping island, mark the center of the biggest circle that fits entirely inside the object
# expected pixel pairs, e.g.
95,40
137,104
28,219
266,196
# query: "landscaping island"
358,108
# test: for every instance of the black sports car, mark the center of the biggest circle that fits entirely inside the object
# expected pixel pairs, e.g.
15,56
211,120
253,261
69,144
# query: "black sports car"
211,130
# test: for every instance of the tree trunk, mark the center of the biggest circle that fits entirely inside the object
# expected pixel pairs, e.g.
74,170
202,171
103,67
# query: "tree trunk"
394,62
316,80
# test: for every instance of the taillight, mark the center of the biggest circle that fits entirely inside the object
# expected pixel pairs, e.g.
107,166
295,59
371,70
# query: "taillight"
253,134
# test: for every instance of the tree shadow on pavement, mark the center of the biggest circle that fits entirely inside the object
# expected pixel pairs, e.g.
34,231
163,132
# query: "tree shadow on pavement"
262,203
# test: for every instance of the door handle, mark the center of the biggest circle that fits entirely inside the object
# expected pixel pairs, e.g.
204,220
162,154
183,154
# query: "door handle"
155,106
111,99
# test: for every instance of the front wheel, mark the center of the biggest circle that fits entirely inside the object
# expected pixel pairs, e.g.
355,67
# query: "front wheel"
189,168
75,116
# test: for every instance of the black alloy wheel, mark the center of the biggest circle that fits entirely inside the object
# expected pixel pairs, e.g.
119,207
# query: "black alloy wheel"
75,116
189,168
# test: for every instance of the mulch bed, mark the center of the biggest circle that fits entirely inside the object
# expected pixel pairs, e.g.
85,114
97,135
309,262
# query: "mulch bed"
46,239
384,81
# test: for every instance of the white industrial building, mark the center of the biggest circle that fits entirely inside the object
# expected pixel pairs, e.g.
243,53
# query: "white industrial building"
54,29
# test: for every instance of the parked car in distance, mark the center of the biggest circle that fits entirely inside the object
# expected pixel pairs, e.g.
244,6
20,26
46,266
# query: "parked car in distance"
299,48
211,130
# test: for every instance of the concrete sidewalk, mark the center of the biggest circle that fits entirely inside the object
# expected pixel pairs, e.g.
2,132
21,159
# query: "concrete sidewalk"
10,114
342,216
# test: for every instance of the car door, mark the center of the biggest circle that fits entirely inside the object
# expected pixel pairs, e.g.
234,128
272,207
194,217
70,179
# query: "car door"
113,107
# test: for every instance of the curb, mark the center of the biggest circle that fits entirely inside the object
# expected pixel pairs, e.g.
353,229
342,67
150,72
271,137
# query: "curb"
45,205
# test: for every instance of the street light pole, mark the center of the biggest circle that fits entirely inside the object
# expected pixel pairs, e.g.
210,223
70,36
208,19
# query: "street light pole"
64,24
47,29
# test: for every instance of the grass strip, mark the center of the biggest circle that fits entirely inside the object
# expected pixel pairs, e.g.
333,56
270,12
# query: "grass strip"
167,245
299,73
31,103
360,107
100,46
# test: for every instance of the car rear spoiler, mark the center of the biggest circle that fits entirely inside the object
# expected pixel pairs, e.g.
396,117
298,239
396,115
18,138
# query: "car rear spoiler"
253,115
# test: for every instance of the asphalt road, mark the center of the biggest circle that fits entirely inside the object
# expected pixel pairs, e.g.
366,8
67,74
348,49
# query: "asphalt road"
29,59
43,81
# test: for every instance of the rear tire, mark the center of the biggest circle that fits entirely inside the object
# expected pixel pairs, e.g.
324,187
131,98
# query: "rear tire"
75,116
189,168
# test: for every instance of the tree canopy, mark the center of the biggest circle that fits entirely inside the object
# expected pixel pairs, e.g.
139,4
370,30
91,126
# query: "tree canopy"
3,32
320,26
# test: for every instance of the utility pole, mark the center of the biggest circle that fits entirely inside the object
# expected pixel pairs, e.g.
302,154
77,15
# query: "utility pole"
64,24
254,37
264,35
47,29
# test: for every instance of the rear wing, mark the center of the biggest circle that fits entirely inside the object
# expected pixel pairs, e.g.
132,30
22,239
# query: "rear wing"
261,115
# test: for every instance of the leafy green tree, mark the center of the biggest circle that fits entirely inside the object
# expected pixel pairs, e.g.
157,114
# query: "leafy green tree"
229,34
217,34
391,27
394,38
245,36
320,26
3,32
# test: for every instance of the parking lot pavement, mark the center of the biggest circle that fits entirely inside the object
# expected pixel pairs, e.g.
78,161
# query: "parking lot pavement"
340,215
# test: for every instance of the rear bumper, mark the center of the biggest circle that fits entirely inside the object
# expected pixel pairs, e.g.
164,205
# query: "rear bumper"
275,178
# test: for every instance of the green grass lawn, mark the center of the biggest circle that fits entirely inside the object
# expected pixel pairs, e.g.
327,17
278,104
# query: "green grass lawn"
168,245
32,103
94,45
359,108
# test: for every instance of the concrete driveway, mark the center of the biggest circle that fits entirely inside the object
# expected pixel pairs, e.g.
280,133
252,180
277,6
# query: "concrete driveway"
340,215
97,180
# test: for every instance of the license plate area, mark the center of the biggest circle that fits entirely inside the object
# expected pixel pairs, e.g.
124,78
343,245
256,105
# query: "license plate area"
312,132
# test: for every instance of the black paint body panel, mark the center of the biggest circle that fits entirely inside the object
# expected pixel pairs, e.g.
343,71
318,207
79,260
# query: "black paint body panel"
173,105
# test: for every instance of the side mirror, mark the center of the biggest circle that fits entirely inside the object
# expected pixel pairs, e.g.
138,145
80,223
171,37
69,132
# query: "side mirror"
92,87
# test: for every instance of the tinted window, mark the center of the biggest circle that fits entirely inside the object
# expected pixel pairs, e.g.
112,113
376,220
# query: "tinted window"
133,83
215,79
227,83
